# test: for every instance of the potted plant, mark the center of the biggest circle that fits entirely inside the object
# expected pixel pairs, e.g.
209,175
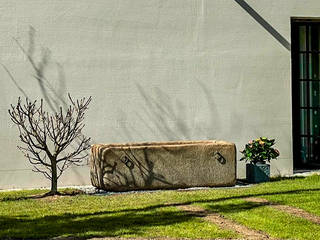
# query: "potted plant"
257,152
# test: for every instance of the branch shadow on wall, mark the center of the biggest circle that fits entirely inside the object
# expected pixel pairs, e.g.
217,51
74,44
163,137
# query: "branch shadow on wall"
125,170
53,96
172,119
160,111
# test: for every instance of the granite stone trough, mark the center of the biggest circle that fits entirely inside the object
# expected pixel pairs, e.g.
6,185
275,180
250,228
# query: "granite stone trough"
163,165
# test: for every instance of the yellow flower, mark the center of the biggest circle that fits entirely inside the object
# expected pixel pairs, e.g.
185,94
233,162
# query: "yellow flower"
261,142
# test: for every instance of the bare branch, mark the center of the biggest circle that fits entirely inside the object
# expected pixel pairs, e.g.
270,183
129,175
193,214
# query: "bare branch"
38,129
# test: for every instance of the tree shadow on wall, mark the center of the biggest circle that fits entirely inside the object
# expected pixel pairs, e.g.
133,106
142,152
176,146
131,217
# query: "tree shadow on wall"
171,118
53,96
125,170
41,63
167,115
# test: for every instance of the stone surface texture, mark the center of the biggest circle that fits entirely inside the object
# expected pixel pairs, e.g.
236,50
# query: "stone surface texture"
163,165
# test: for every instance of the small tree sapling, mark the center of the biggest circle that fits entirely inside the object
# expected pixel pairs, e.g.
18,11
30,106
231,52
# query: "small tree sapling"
52,142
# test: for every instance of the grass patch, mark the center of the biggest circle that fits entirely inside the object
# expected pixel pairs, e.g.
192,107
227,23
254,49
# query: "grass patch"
308,200
95,216
275,223
152,223
155,214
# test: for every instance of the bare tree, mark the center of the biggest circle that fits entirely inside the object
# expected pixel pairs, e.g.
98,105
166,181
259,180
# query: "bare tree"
47,137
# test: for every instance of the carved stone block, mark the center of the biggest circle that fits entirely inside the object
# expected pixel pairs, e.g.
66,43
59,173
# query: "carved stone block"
163,165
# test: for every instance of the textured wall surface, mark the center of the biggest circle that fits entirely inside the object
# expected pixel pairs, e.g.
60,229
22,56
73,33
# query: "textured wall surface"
157,71
165,165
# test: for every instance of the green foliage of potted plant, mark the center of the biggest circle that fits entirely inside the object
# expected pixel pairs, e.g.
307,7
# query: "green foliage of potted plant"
258,152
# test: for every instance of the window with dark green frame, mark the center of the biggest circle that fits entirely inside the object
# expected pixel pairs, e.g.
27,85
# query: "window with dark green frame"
305,41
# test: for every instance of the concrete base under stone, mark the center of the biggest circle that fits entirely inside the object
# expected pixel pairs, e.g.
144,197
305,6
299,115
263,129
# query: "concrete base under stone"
163,165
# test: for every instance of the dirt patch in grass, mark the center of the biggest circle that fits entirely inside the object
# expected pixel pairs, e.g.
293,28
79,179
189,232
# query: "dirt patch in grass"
224,223
288,209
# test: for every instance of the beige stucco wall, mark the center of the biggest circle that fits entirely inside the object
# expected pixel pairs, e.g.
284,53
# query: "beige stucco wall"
157,71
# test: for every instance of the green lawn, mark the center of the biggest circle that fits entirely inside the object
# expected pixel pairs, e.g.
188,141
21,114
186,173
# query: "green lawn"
155,214
264,218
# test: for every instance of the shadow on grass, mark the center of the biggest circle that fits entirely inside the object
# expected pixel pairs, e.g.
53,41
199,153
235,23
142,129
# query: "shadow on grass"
277,179
124,222
216,200
66,192
96,224
244,182
234,207
240,196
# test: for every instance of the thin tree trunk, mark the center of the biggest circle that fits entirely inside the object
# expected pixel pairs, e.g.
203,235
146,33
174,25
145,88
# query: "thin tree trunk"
54,179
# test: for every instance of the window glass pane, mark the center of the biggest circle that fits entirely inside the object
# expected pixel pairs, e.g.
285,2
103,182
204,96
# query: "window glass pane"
302,66
311,143
303,94
309,36
303,121
314,122
314,66
314,38
314,94
316,149
304,150
302,38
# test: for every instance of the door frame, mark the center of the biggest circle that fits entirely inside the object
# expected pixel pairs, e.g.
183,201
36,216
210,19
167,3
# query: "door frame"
295,94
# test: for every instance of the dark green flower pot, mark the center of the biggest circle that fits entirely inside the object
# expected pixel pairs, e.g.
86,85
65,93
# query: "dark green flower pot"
257,173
